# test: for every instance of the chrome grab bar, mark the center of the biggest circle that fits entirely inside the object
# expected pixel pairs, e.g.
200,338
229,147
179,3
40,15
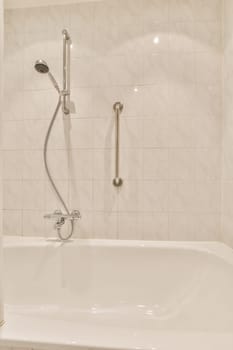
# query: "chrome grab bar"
118,108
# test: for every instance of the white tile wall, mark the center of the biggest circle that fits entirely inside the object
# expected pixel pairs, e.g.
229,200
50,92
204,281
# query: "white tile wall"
227,160
1,162
162,59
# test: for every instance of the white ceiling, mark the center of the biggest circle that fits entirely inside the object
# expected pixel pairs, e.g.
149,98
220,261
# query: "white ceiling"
10,4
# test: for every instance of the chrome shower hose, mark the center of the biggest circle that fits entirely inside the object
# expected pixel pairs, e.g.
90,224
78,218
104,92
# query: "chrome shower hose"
45,153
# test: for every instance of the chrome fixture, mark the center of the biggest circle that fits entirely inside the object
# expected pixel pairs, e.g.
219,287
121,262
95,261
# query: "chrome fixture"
63,100
42,67
66,71
118,108
60,218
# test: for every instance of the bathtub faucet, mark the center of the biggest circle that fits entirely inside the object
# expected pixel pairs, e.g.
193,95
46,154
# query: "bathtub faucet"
60,218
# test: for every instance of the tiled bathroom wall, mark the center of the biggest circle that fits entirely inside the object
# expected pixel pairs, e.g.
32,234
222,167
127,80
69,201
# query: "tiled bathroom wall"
1,112
1,203
162,60
227,160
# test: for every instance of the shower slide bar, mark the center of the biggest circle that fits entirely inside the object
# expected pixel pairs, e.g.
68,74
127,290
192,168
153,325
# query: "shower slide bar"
66,72
118,108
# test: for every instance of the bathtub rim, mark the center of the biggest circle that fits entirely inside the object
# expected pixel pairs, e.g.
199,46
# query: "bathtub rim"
215,248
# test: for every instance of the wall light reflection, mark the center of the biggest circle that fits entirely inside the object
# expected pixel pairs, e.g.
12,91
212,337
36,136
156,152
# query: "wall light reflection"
156,40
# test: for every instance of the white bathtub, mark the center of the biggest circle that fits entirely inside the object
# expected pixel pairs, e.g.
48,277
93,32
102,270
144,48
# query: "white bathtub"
118,295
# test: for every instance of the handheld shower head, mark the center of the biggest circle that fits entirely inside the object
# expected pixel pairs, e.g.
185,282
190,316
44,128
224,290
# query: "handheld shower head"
42,67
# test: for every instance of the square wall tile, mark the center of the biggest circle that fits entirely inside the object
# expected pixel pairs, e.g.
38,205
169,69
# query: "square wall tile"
33,223
182,227
155,226
130,226
105,225
12,222
12,195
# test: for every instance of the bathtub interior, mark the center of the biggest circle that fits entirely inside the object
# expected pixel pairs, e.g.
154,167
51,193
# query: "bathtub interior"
132,286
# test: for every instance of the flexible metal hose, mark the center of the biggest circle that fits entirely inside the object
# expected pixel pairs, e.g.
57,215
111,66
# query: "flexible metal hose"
49,174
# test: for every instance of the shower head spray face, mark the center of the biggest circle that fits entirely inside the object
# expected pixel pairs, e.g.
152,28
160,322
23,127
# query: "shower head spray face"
41,67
